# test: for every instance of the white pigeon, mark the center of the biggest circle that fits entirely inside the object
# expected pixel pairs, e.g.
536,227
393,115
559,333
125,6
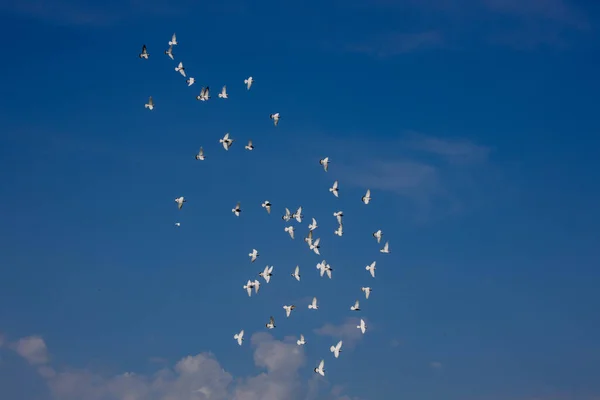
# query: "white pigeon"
338,215
190,81
287,216
256,285
271,323
362,326
377,235
248,287
226,141
275,118
239,337
180,201
309,238
325,163
150,104
177,224
336,349
356,306
313,305
204,94
144,54
223,94
298,215
367,197
312,226
267,273
315,246
301,341
179,68
237,210
267,206
248,82
249,146
386,248
339,231
200,155
367,291
322,266
296,273
290,230
173,41
321,368
371,268
254,255
169,52
334,189
288,310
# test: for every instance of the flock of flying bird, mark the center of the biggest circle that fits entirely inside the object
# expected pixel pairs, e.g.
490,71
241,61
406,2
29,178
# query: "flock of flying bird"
313,244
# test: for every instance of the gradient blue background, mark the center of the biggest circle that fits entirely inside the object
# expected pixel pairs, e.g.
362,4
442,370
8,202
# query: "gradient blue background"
494,268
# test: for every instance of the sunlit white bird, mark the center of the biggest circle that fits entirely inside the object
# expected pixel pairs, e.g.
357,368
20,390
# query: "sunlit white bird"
173,41
290,230
288,310
275,118
309,238
315,246
321,368
248,287
301,341
179,68
367,197
267,206
325,163
296,273
169,52
267,273
271,323
144,54
223,94
334,189
200,155
256,285
367,291
237,210
356,306
386,248
177,224
371,268
254,255
339,215
180,201
239,337
190,81
362,326
150,104
377,235
249,146
287,216
312,226
323,268
226,141
298,215
248,82
313,305
336,350
204,94
339,231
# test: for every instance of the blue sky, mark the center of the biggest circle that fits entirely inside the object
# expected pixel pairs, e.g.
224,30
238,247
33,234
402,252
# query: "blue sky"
471,121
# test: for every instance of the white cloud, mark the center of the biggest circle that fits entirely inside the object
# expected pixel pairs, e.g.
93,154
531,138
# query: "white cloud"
347,331
33,349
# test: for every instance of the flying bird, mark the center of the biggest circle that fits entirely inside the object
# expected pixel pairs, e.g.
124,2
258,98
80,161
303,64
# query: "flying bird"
248,82
249,146
301,341
256,285
169,52
339,231
190,81
313,305
315,246
323,268
204,94
336,349
338,215
248,287
239,337
173,41
275,118
371,268
150,104
267,206
179,68
309,238
288,310
223,94
386,248
298,215
367,197
271,323
325,163
180,201
226,141
200,155
362,326
312,226
377,235
321,368
254,255
367,291
356,306
237,210
334,189
290,230
287,216
267,273
296,273
177,224
144,54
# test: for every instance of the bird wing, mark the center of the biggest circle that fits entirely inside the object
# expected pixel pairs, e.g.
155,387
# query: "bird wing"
322,365
297,271
174,38
356,304
314,302
272,320
150,101
249,288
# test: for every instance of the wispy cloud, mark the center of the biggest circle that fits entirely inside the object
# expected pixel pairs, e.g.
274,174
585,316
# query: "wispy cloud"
33,349
453,150
435,365
391,44
347,331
